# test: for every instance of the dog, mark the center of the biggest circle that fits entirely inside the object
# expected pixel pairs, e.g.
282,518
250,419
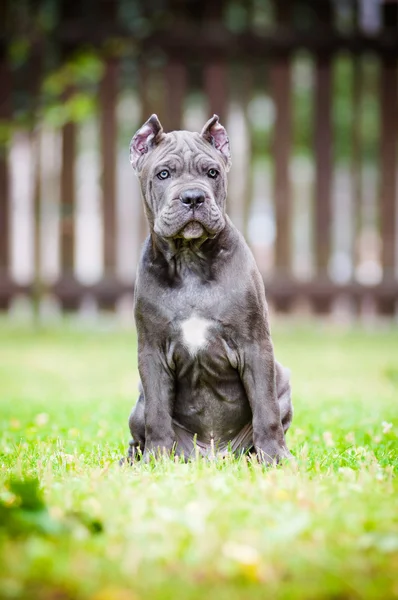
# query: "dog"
209,380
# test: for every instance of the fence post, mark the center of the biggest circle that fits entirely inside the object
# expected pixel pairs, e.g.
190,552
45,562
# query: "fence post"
108,96
282,92
216,72
216,88
66,287
5,116
176,84
323,150
68,198
33,87
323,157
108,125
388,151
146,111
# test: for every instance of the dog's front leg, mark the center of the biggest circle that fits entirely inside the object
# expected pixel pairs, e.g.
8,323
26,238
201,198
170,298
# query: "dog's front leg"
158,384
258,377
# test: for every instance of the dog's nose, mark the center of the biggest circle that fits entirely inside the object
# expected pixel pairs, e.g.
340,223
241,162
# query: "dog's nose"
192,198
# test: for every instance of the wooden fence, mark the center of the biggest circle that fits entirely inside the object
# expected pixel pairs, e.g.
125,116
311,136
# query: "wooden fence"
179,49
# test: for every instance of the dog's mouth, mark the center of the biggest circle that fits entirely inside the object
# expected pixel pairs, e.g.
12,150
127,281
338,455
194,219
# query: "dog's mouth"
192,230
199,224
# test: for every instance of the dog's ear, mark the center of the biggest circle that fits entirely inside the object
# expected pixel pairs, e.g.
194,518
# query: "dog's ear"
145,140
214,133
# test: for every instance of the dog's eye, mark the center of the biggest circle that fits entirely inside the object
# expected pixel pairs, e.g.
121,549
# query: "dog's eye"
212,173
163,174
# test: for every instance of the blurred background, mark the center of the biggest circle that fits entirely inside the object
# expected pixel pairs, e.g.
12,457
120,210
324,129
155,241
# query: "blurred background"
308,90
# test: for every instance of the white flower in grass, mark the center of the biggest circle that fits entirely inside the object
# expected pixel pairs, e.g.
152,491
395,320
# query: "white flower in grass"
386,427
328,439
246,559
67,458
41,419
241,553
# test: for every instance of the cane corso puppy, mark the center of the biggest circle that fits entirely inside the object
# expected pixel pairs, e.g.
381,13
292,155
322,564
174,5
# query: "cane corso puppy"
209,379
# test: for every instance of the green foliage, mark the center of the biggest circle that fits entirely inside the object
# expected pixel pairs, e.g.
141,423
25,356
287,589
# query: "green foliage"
322,527
18,51
5,133
236,17
70,91
343,108
370,109
77,108
23,512
303,104
84,69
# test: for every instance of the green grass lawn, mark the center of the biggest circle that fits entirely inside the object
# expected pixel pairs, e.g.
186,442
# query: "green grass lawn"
324,527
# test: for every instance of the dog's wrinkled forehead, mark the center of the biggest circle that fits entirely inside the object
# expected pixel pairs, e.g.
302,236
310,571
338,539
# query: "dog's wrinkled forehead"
184,150
150,145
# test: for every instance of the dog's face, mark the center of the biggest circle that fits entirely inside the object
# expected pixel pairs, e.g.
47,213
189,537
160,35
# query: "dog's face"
183,178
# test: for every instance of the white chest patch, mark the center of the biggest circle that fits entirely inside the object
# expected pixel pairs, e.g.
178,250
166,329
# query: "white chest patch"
194,334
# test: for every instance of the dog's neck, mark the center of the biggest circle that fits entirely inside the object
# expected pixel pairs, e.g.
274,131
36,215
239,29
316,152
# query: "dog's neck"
182,257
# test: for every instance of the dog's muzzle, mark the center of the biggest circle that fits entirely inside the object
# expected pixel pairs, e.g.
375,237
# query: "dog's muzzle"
191,213
192,198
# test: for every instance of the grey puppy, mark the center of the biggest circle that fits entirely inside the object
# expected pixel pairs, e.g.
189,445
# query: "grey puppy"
210,382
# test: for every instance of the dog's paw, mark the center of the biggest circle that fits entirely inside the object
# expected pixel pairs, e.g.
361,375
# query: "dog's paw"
155,451
272,453
133,454
155,454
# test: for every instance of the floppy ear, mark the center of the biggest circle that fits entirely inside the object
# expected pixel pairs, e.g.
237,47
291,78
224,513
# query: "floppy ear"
214,133
145,140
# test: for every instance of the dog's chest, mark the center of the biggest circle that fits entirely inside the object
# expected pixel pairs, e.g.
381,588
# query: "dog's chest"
201,341
195,333
201,326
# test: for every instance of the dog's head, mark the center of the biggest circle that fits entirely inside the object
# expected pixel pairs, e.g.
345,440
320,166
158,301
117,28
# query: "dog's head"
183,178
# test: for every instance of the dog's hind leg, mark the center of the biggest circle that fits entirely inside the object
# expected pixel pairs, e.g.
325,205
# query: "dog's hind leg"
137,428
284,392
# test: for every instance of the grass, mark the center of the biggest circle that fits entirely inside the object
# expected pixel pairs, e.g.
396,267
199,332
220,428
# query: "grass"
325,527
